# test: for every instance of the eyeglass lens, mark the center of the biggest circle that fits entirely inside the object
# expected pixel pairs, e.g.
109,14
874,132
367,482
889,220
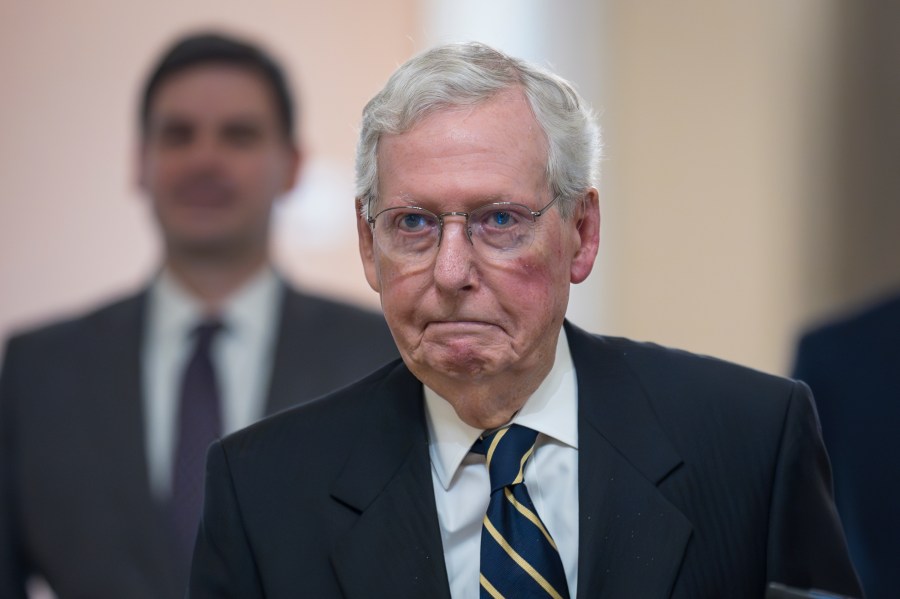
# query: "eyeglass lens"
498,231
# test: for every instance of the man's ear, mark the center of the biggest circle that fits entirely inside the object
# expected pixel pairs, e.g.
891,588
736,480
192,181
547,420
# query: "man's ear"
586,224
295,158
366,247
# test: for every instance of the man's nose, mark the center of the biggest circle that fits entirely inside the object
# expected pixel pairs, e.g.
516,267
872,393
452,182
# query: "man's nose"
454,263
205,151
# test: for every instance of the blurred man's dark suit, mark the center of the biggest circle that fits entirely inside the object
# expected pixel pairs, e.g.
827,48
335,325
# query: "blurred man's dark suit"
697,479
75,500
853,368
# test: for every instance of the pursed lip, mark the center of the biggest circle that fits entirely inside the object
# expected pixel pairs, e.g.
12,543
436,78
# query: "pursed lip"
460,326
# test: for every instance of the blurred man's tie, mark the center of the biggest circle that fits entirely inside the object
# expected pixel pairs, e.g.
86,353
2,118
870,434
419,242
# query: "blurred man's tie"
518,556
199,424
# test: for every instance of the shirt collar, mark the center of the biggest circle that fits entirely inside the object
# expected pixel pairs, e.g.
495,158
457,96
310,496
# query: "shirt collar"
175,311
248,312
551,410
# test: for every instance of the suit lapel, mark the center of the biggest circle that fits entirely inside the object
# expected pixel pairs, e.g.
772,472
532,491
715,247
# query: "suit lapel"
395,547
631,538
121,459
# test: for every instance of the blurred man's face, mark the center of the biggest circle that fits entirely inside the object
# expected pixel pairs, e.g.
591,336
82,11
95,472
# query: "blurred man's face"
214,160
461,320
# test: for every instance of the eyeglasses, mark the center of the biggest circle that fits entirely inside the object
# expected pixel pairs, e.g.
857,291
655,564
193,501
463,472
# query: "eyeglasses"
498,231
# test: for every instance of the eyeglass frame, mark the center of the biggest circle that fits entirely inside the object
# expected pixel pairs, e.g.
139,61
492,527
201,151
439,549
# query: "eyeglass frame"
535,214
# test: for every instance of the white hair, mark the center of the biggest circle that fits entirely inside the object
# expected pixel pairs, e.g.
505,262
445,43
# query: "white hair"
466,74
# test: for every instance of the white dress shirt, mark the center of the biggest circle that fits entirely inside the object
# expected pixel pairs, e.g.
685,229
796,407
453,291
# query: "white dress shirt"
462,485
242,354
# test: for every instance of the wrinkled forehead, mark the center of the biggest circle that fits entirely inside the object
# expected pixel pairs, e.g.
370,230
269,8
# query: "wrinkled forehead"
494,151
421,110
504,122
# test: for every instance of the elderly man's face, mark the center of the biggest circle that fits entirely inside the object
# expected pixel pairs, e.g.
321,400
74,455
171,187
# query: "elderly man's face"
462,321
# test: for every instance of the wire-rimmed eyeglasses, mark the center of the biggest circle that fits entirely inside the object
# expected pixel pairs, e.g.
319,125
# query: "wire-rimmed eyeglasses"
499,231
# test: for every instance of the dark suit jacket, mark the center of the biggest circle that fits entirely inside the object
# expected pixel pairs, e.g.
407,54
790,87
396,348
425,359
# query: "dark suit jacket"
75,502
853,367
697,479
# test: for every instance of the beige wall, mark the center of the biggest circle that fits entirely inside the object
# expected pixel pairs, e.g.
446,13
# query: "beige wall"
751,177
716,142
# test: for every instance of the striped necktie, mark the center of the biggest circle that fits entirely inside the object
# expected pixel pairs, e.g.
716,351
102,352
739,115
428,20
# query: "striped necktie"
518,556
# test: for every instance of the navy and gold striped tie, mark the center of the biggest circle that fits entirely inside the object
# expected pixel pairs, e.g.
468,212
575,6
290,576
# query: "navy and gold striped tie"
518,556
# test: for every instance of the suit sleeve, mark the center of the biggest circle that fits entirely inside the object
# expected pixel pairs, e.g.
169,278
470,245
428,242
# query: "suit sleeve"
13,570
223,566
806,544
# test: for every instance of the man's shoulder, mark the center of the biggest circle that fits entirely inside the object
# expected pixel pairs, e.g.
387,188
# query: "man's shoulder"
653,361
696,401
307,310
853,352
348,341
106,318
678,383
316,305
683,361
331,417
878,320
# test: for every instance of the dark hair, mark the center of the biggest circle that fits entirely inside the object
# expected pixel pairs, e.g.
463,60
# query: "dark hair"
215,48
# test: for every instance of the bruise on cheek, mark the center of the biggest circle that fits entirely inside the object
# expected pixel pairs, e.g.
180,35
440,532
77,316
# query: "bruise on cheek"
530,269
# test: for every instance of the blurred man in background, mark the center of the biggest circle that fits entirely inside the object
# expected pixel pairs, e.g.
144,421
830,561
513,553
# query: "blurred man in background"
105,419
853,368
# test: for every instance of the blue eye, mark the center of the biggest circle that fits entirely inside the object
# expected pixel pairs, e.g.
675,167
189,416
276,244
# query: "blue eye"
500,218
412,222
497,219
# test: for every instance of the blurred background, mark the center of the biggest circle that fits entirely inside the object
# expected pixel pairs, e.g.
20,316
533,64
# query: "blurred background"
750,183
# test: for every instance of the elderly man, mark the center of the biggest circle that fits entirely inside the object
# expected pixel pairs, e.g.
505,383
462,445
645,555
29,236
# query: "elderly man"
510,454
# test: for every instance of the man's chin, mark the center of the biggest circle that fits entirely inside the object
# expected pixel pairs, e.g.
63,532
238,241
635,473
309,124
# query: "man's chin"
464,339
461,360
208,243
459,351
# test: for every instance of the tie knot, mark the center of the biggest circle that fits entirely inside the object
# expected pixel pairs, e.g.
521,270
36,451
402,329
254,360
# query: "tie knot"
204,332
506,450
